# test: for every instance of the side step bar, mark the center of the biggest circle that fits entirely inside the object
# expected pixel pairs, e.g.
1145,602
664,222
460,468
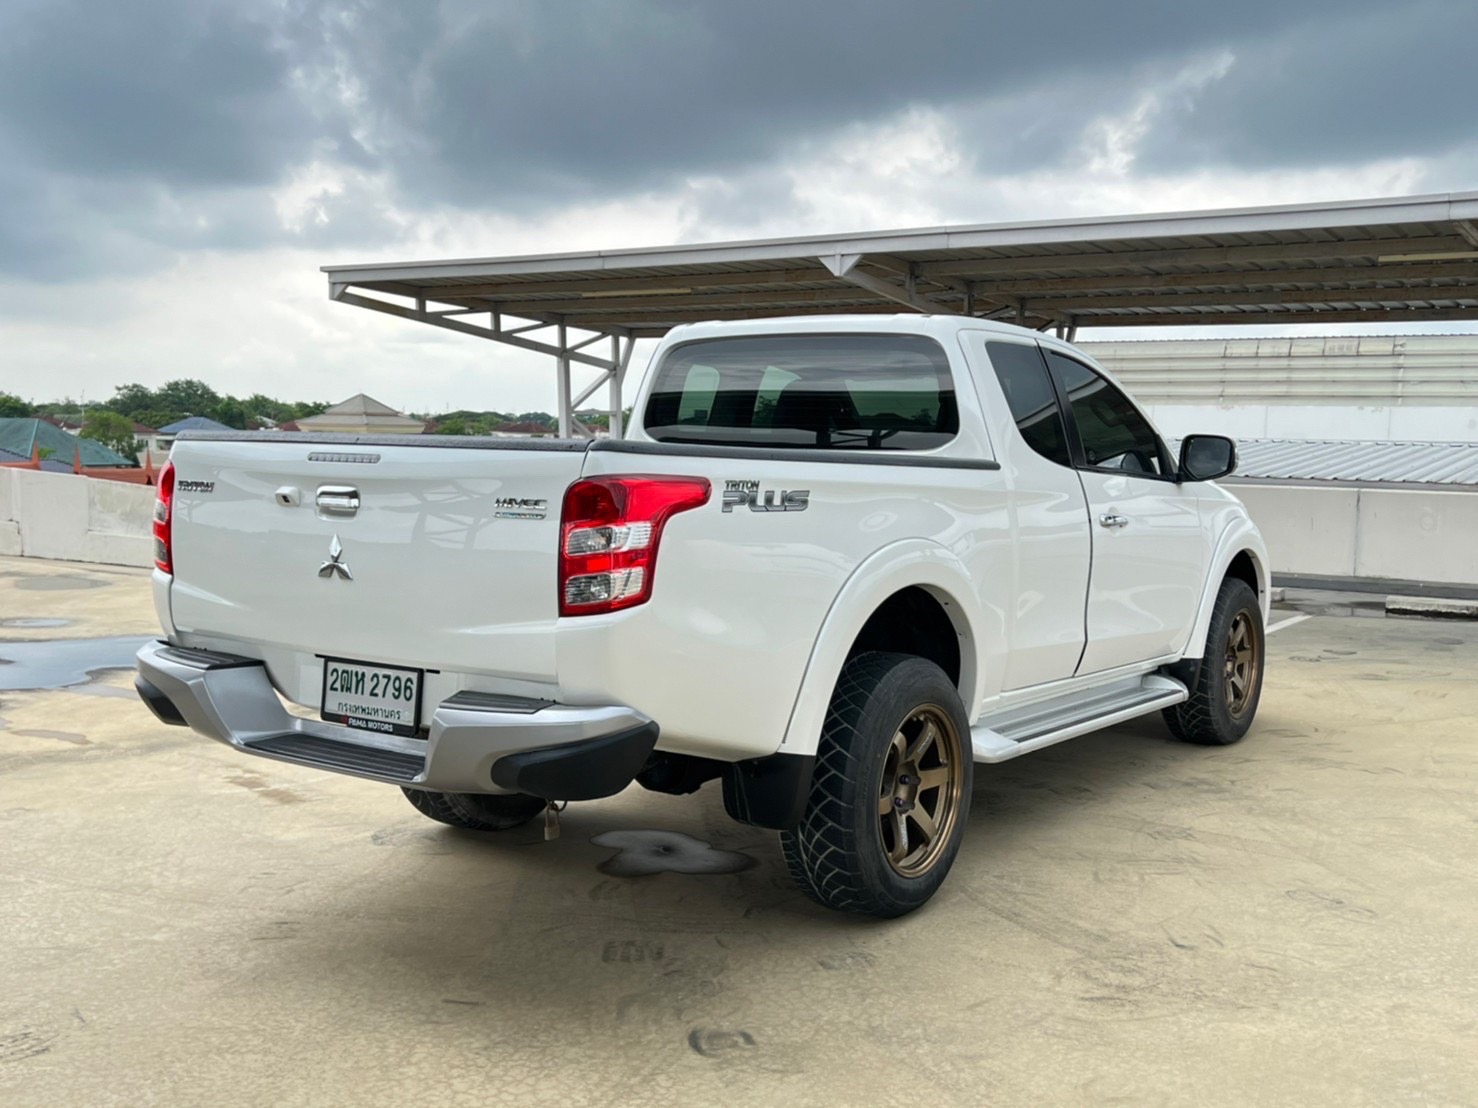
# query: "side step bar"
1013,733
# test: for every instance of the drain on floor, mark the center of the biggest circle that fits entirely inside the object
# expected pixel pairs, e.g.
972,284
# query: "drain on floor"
642,853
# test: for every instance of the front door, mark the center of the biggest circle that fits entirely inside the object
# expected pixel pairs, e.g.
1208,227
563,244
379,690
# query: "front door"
1148,549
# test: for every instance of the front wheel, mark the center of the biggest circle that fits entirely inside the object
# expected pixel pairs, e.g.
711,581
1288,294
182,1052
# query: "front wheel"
476,811
891,790
1224,697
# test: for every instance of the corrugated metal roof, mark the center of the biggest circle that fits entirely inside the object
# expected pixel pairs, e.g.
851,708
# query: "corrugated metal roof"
1397,259
1364,463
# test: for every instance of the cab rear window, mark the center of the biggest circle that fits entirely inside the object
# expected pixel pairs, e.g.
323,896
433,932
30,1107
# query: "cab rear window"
828,392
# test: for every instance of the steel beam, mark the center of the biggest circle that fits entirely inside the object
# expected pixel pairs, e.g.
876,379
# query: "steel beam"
600,305
623,286
1232,319
1195,255
1255,299
470,329
1233,278
906,296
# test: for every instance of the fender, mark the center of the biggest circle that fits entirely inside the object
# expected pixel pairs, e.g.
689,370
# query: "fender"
900,565
1239,534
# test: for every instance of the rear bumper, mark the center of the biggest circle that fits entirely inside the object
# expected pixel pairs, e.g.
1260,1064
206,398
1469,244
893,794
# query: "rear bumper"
478,743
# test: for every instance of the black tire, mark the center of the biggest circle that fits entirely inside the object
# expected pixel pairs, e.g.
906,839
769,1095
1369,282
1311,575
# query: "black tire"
476,811
846,852
1217,714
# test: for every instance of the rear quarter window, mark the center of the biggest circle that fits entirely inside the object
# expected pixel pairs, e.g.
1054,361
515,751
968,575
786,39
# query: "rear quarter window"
828,392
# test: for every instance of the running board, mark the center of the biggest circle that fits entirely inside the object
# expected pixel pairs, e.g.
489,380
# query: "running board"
1022,730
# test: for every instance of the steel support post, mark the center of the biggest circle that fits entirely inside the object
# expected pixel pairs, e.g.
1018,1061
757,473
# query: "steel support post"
562,386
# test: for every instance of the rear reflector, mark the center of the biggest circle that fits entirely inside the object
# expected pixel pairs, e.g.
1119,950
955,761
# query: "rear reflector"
164,519
610,528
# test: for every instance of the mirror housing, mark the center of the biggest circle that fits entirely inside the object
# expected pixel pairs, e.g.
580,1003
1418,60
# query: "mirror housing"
1206,457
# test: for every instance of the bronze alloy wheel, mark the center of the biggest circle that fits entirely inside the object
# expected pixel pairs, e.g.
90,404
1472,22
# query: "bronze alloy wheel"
920,796
1244,644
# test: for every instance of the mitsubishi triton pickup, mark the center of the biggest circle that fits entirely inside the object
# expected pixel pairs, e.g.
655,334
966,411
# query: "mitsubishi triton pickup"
835,563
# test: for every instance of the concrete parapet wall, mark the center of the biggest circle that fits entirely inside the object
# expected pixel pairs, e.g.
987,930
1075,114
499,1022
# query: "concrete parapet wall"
77,519
1311,529
1385,533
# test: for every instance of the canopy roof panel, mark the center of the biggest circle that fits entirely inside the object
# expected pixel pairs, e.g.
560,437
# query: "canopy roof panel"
1402,259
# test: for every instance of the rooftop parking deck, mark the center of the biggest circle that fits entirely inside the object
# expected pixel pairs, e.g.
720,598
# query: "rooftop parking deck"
1287,920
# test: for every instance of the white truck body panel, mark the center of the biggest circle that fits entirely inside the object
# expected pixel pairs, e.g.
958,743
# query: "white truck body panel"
752,614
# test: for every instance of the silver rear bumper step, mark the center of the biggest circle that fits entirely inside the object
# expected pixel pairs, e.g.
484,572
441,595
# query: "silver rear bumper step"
231,699
1010,734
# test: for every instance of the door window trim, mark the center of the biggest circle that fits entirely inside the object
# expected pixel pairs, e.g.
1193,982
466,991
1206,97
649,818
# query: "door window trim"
1075,441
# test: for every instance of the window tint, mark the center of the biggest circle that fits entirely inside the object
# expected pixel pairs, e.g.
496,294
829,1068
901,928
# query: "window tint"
1033,404
1113,433
835,392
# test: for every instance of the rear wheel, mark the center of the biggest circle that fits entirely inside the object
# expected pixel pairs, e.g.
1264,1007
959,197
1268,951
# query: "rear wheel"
891,789
1228,685
476,811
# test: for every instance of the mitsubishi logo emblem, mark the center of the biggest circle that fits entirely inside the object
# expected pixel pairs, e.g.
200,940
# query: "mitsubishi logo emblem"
333,567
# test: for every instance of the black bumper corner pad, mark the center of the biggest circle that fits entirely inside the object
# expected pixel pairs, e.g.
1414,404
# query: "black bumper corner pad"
161,705
584,770
769,792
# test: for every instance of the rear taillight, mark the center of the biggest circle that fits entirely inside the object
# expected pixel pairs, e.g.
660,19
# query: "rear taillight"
608,536
163,517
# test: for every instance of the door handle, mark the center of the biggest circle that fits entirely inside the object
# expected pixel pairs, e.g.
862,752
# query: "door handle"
1110,520
337,500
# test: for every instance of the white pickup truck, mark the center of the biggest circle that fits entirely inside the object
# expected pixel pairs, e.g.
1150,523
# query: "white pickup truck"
836,562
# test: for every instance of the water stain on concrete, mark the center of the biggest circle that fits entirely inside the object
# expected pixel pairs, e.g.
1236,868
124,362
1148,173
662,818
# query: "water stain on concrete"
61,583
62,663
642,853
61,736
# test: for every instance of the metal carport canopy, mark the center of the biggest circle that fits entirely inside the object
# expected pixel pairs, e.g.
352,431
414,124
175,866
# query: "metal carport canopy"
1394,260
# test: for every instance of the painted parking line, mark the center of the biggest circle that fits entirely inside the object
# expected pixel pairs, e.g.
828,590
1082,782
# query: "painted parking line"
1289,622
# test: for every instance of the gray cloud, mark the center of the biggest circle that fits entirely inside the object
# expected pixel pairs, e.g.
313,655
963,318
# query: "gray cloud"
131,130
1396,81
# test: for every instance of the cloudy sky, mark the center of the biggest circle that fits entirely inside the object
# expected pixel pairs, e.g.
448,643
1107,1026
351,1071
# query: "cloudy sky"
173,172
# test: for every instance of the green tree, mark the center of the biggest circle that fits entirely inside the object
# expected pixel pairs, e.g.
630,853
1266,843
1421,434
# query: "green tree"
132,399
189,396
231,412
111,429
13,406
453,425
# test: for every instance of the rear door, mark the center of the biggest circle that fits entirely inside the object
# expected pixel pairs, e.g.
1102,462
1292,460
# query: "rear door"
1148,550
1052,550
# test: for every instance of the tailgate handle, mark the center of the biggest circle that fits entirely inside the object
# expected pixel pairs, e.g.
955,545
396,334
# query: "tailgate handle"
337,500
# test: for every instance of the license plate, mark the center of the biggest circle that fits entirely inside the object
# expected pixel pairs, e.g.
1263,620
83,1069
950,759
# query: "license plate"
370,697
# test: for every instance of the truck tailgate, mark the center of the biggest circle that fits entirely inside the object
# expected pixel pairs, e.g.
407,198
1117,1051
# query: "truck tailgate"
435,556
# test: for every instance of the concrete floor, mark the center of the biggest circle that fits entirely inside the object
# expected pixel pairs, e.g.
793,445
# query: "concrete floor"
1291,920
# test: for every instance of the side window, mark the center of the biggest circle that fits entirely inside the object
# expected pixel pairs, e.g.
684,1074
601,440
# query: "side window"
698,392
1113,433
1033,404
772,384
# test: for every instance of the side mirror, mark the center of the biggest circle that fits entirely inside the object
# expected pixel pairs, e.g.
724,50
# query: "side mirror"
1206,457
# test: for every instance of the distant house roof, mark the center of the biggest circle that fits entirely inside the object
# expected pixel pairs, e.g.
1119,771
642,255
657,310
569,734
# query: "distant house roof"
289,425
360,404
142,429
193,423
363,414
22,436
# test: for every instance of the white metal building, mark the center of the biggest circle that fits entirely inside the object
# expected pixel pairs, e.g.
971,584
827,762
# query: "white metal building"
1401,388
